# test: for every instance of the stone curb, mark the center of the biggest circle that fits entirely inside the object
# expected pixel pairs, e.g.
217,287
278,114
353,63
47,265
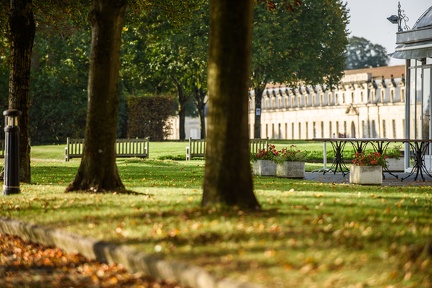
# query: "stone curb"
134,261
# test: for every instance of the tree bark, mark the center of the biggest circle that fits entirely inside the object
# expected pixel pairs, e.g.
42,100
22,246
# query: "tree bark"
21,32
258,100
98,170
228,178
182,99
200,95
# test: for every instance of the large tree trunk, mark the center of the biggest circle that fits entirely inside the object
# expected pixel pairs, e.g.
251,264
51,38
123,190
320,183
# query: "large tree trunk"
98,169
228,179
21,32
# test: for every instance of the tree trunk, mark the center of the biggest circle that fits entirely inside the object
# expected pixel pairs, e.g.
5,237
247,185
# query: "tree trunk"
228,177
182,99
98,170
200,95
21,32
258,100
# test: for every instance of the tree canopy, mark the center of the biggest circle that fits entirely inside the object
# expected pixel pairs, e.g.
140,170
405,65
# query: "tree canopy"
361,53
297,42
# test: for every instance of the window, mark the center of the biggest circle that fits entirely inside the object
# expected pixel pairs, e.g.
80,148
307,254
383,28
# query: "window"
384,134
314,130
299,130
322,129
292,130
394,128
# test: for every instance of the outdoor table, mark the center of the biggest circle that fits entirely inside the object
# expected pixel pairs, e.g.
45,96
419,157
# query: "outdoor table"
338,145
418,147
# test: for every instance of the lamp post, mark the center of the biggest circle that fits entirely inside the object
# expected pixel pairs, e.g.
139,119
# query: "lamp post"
397,19
11,159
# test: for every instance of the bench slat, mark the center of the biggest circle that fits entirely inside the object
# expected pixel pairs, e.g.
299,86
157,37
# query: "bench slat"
125,148
197,147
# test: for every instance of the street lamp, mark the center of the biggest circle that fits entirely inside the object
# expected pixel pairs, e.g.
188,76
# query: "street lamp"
11,158
397,19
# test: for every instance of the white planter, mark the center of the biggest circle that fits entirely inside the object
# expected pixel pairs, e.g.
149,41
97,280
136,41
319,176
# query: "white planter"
394,164
290,169
367,175
264,168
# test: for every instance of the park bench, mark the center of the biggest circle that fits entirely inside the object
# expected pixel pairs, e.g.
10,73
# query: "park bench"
125,148
196,148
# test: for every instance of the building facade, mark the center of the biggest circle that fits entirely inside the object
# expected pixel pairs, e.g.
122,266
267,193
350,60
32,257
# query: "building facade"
367,103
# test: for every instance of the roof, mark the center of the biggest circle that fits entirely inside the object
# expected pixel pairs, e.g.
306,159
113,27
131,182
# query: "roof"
379,72
424,21
375,73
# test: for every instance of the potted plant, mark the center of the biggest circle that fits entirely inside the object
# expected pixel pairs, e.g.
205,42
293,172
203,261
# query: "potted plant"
263,163
290,162
367,168
395,160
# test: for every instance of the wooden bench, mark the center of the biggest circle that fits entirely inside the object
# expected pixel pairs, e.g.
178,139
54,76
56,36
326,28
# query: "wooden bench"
196,148
125,148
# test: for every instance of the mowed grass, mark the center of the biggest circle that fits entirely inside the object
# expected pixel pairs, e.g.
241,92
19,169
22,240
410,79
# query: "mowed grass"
308,234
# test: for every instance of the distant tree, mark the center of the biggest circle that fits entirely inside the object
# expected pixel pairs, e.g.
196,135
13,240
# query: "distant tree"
17,20
148,115
361,53
59,87
297,41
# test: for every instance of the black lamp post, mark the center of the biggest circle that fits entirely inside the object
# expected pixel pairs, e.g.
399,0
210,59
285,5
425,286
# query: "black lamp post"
11,159
397,19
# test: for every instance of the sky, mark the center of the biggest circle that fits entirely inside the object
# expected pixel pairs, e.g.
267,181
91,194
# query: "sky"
368,19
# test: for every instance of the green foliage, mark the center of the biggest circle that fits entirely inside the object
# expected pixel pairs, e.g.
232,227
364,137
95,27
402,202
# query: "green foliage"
361,53
265,154
292,153
147,117
369,159
304,43
394,152
59,87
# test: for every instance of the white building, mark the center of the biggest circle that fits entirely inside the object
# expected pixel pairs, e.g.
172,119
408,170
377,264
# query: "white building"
368,103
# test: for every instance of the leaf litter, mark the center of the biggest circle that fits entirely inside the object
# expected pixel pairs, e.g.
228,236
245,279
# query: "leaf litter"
26,264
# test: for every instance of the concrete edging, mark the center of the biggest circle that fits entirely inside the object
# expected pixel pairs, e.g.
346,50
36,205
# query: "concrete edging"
134,261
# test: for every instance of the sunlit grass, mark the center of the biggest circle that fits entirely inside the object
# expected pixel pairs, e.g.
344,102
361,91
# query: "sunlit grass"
309,234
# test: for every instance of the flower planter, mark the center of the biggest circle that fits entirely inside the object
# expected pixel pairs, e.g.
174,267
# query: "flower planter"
264,168
366,175
394,164
290,169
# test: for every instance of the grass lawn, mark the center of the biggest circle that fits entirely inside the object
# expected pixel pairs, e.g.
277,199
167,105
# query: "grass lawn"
308,234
